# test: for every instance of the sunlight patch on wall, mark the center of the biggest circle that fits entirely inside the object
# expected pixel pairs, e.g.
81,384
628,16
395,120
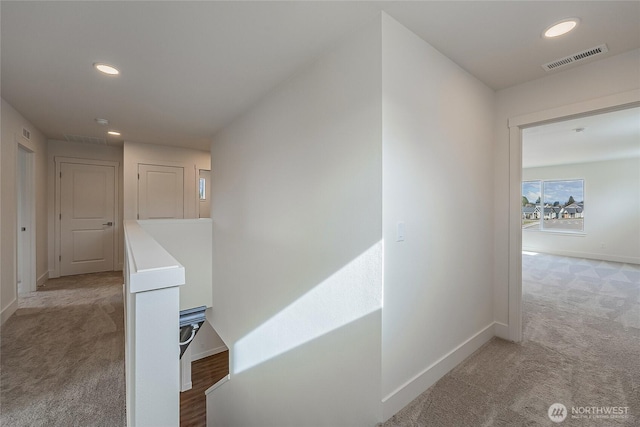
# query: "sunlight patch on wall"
349,294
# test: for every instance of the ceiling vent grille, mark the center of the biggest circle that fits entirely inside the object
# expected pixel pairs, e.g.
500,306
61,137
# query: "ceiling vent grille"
26,134
86,139
576,57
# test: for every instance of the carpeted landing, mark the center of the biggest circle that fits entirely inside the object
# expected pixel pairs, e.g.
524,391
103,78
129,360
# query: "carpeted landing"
581,348
62,355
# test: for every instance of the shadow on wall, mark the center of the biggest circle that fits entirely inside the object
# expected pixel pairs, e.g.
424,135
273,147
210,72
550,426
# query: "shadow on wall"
349,294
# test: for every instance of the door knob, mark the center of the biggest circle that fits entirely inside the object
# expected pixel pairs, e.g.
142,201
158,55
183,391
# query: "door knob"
109,224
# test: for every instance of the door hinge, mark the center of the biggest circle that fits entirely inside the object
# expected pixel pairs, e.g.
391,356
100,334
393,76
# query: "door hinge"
138,216
138,176
59,257
60,216
60,174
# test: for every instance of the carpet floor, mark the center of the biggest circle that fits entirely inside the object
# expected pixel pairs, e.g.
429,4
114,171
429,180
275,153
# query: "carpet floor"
581,348
62,355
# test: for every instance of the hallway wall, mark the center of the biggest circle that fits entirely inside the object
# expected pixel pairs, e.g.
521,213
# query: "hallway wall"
12,123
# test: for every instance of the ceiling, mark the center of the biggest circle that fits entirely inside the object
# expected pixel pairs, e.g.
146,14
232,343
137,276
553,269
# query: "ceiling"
188,68
608,136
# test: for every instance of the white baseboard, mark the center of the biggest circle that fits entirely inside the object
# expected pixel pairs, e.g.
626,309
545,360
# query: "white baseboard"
42,279
8,311
501,330
586,255
208,353
404,394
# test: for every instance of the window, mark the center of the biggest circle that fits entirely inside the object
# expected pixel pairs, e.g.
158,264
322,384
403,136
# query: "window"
553,205
203,190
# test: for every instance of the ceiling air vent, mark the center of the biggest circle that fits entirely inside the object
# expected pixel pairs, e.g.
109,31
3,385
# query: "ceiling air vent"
576,57
86,139
26,134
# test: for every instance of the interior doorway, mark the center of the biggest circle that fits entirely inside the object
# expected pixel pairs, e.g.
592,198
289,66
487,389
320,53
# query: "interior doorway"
580,216
517,125
25,222
160,192
87,215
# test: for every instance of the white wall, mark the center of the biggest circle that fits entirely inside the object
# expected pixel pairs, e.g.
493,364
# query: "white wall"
438,175
612,214
605,77
297,228
12,124
188,241
80,151
191,160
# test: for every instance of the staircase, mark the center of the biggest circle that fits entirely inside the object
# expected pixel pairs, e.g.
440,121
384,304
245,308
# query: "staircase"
167,290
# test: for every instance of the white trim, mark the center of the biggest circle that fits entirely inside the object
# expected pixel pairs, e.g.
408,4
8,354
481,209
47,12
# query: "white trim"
8,311
185,370
30,193
515,239
208,353
587,255
117,225
613,102
42,279
219,384
618,101
408,391
501,330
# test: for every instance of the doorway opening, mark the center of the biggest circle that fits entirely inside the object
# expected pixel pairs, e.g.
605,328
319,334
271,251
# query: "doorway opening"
86,213
517,125
580,223
25,222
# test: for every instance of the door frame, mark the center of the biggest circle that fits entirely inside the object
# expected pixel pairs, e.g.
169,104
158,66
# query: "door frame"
29,264
57,210
516,124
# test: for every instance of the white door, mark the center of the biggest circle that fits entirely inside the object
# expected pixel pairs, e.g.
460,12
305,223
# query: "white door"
87,215
160,192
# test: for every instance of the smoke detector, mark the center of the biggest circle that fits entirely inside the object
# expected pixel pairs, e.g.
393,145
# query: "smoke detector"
576,57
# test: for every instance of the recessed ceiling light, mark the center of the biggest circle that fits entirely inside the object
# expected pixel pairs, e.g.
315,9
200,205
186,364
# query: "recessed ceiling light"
102,122
560,28
106,69
114,133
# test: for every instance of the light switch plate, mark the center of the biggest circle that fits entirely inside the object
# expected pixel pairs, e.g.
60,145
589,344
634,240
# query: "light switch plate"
400,235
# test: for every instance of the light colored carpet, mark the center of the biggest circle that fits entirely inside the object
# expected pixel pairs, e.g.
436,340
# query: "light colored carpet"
581,348
62,355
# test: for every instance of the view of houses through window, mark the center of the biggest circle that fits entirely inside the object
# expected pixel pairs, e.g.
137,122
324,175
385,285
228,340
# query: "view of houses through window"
556,205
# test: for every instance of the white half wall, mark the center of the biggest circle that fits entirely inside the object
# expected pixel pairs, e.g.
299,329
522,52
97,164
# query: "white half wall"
297,251
598,79
191,160
437,181
12,123
612,214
